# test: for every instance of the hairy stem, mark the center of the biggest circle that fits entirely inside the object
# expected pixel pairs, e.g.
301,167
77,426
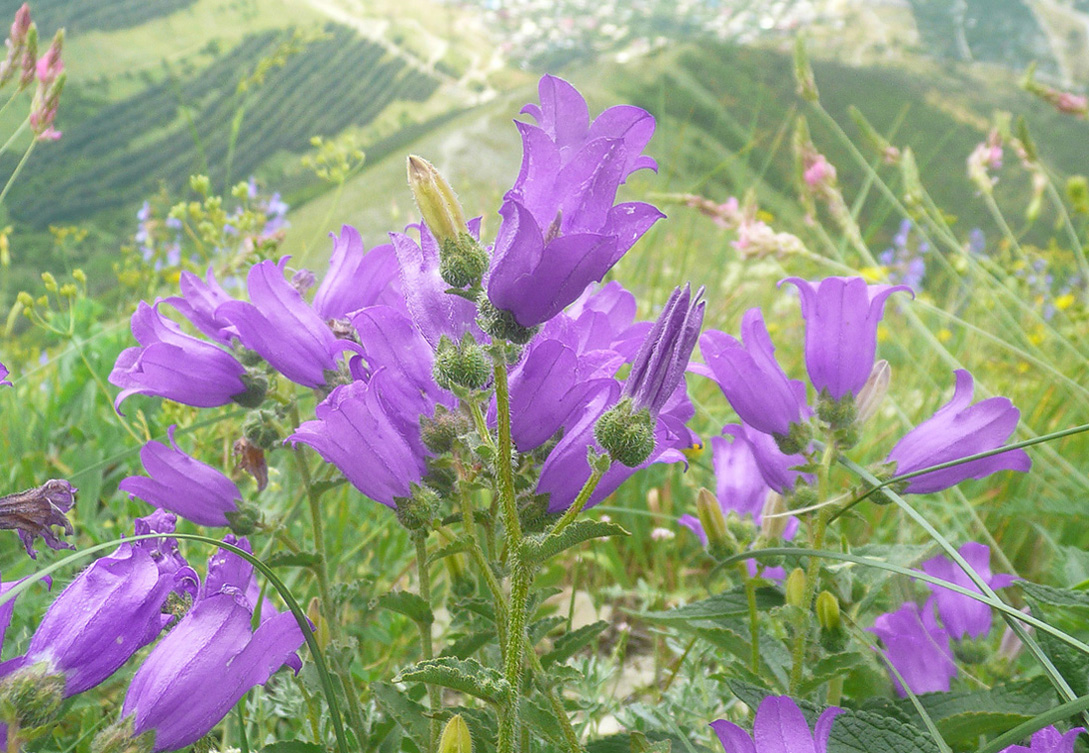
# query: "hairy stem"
434,693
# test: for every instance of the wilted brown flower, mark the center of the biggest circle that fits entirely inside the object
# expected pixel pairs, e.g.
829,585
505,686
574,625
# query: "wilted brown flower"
33,513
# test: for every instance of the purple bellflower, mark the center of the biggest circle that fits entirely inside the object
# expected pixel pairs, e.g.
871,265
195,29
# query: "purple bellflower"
750,377
962,616
111,610
434,311
917,647
182,484
358,278
209,660
282,328
560,230
169,363
360,431
34,512
959,429
660,364
4,381
1049,740
198,303
779,728
778,468
841,316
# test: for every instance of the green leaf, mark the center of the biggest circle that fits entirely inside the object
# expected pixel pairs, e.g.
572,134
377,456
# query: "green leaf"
293,559
729,604
544,549
1055,597
640,744
963,716
1072,664
410,716
463,675
829,668
867,732
408,604
469,644
543,721
542,627
568,644
293,746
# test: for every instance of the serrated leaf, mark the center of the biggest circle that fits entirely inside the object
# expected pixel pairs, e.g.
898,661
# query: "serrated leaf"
293,746
1056,597
407,603
293,559
867,732
573,535
463,675
962,716
410,716
540,628
730,604
542,721
478,606
568,644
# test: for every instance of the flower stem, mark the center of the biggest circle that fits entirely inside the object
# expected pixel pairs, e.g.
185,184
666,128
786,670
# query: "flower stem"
509,721
18,169
577,506
434,694
754,624
507,503
816,540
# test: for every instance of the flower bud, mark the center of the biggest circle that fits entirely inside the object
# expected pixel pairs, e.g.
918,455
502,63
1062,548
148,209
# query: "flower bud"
440,431
455,737
501,324
627,436
804,81
772,520
418,510
873,392
709,512
321,627
32,696
795,587
200,184
462,365
437,202
118,738
254,394
828,611
244,520
259,429
49,281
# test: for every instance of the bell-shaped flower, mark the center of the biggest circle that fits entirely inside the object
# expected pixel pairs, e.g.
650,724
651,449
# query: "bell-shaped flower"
841,316
963,616
434,311
750,377
660,364
1049,740
111,610
280,326
169,363
4,381
361,430
917,647
208,661
560,230
778,469
959,429
779,728
182,484
34,512
198,303
358,278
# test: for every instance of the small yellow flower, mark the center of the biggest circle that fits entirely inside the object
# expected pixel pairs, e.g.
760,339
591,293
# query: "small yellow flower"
944,335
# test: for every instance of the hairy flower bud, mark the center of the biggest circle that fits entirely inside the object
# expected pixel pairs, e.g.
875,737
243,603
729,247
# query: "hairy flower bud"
31,696
437,202
827,611
501,324
321,627
455,737
709,512
118,738
772,520
417,511
464,364
795,588
804,82
627,435
440,431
